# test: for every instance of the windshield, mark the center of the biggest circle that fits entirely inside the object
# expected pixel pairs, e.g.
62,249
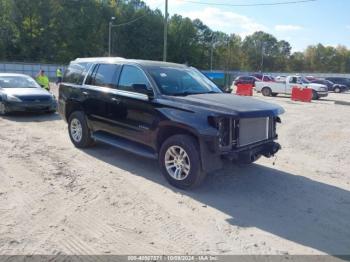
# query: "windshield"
17,82
304,80
182,81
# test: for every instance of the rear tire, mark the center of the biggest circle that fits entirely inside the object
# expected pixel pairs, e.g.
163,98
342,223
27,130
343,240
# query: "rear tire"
3,110
79,131
266,91
180,162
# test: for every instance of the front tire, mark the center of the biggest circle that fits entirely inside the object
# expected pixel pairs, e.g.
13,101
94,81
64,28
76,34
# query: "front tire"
79,131
337,90
179,160
266,91
51,112
314,95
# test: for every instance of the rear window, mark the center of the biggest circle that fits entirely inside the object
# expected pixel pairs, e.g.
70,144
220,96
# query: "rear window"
18,82
76,72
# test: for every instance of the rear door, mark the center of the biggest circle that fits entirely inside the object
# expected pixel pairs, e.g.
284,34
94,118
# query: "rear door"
100,89
71,89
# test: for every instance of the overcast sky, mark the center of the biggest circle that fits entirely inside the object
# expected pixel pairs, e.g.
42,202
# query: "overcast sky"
302,24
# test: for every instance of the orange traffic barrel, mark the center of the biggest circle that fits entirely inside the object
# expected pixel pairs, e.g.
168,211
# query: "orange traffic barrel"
244,89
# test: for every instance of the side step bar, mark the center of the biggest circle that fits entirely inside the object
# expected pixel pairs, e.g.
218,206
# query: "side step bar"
124,144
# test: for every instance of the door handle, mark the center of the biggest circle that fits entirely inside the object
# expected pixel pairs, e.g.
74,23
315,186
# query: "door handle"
116,100
85,93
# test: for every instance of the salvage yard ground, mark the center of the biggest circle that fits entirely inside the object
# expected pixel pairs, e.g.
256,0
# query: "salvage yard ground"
56,199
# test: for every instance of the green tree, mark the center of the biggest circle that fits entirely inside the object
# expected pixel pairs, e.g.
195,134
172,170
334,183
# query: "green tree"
182,40
58,31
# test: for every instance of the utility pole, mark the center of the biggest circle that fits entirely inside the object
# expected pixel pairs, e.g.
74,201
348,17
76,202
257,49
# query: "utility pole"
165,31
211,52
262,56
110,35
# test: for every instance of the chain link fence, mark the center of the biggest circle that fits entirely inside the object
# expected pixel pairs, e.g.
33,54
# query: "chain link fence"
224,78
31,69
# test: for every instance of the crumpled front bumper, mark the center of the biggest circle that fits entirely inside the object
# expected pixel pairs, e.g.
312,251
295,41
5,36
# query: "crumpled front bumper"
322,93
250,153
30,106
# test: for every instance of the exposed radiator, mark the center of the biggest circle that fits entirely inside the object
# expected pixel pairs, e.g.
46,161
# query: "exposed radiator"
253,130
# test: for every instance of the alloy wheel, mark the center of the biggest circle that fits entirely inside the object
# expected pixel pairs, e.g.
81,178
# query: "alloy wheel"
177,163
2,109
76,130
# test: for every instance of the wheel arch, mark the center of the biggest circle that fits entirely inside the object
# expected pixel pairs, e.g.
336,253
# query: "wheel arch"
266,87
72,106
209,160
167,131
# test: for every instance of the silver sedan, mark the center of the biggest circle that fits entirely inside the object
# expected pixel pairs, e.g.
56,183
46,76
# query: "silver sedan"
22,93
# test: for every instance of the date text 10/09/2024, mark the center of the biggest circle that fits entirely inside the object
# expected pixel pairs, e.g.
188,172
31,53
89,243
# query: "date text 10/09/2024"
172,258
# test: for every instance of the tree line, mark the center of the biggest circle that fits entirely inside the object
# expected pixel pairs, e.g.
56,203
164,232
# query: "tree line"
57,31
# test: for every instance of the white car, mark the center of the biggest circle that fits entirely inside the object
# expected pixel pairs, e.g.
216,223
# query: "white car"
285,87
280,78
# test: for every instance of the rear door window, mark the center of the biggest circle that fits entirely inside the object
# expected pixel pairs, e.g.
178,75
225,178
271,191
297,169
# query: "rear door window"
105,75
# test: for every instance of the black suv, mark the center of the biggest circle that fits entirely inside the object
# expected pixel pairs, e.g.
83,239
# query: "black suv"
165,111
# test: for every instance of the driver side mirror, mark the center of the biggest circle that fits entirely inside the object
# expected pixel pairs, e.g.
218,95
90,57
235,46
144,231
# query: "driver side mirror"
143,89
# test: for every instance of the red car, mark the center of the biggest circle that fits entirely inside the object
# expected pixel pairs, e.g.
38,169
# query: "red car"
264,78
246,80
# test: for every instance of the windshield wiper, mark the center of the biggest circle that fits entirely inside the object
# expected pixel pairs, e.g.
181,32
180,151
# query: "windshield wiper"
193,93
183,94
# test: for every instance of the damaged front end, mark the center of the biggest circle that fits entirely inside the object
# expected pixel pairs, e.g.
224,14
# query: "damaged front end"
247,139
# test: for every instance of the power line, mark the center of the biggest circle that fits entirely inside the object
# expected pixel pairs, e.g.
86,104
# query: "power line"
135,19
131,21
257,4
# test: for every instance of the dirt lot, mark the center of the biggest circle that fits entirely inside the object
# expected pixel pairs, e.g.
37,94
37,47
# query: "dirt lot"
56,199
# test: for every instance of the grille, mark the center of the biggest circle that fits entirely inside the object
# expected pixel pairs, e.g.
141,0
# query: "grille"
252,130
34,98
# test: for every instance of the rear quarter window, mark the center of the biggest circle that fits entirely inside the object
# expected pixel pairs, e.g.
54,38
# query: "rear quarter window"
76,72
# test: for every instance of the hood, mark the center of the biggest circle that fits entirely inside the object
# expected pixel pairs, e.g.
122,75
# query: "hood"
25,92
230,104
316,86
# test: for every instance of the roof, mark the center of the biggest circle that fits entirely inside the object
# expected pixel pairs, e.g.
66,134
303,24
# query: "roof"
146,63
13,74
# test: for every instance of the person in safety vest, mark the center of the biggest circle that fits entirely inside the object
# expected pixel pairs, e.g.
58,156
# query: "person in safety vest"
43,80
58,75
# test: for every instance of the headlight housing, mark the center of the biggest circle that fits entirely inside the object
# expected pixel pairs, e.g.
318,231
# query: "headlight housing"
11,98
226,127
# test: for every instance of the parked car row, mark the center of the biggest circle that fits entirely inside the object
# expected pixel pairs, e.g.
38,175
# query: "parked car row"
285,87
272,86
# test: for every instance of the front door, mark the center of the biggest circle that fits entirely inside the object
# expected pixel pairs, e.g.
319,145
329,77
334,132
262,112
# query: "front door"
293,81
138,114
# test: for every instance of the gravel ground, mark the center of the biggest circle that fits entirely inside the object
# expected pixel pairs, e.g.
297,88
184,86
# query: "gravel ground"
56,199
